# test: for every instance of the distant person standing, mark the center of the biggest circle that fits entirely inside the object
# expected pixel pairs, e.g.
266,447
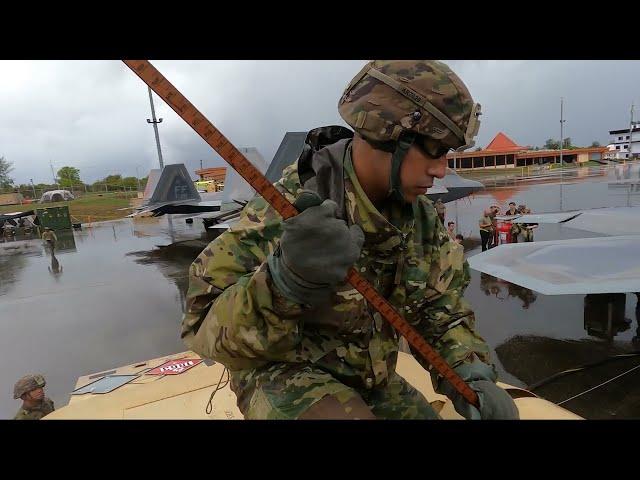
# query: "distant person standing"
526,228
30,389
440,209
49,237
513,210
515,227
21,226
485,228
495,240
451,229
9,230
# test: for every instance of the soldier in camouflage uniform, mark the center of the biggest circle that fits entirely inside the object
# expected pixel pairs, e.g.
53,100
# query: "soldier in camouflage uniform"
526,229
35,405
49,237
268,298
441,209
515,227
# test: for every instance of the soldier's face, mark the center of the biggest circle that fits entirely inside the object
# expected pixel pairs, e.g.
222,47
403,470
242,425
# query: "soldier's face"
37,394
418,171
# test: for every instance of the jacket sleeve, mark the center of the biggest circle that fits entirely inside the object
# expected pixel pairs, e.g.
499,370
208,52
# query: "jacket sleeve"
234,314
445,318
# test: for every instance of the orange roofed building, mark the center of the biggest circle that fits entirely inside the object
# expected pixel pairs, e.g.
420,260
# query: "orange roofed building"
503,152
216,174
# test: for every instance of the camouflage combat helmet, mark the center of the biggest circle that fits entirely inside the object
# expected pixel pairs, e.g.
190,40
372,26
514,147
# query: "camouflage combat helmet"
27,384
393,104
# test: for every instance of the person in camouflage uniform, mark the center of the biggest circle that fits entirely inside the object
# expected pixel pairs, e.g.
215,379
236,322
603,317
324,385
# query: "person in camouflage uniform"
35,405
515,227
441,209
526,229
49,237
268,299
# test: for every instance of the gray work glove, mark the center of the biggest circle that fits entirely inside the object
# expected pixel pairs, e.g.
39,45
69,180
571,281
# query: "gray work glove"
495,403
315,251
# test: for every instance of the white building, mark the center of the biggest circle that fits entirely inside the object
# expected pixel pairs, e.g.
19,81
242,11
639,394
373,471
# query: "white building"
618,148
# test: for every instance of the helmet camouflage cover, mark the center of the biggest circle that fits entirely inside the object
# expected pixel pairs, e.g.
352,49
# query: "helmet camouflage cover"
389,97
27,384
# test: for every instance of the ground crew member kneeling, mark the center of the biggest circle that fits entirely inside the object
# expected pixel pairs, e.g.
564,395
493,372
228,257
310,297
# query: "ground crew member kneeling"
268,298
35,405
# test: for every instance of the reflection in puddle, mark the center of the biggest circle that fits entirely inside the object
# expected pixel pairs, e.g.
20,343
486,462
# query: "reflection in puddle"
501,289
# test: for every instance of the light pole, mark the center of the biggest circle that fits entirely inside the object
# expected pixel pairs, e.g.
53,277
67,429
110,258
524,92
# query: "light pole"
561,133
630,155
34,188
55,181
138,177
562,120
155,123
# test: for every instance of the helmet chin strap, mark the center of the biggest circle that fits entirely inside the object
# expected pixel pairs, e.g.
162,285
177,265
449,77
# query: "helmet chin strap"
395,187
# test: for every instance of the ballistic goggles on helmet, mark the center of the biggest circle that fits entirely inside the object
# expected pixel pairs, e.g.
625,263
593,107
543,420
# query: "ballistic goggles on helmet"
431,147
39,379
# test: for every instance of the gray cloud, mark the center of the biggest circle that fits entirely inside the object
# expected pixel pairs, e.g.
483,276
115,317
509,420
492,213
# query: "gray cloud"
92,114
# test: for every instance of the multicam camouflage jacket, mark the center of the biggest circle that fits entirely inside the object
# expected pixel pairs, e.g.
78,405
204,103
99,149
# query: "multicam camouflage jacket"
236,315
36,413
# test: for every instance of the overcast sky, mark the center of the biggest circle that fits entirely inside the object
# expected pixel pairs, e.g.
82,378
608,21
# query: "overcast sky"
92,114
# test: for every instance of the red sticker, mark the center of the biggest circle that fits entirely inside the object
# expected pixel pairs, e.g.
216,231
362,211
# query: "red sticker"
174,367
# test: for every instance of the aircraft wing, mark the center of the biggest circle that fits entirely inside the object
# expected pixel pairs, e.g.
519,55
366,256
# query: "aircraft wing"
559,267
609,221
508,218
180,208
438,190
606,221
545,217
456,187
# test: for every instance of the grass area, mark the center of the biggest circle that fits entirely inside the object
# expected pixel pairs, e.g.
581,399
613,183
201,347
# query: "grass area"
91,207
589,163
491,172
481,174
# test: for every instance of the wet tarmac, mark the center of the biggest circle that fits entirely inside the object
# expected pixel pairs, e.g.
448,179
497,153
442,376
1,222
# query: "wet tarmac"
99,306
113,294
535,336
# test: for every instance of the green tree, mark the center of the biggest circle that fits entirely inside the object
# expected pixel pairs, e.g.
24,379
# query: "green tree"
5,168
68,176
552,144
566,143
115,180
595,143
130,182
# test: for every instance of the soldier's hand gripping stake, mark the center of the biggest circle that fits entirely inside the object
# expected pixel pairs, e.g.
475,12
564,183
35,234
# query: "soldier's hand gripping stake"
309,278
165,90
